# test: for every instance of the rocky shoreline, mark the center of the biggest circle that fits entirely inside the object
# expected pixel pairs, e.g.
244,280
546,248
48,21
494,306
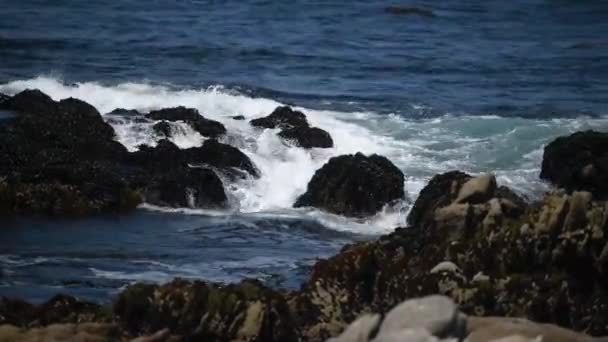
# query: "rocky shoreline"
479,244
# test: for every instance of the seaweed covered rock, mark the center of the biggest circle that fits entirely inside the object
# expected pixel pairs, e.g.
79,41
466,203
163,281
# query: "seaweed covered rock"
59,309
247,311
545,262
295,127
191,116
578,162
354,185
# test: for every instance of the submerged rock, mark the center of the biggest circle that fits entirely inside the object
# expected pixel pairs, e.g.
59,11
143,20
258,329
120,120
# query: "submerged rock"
578,162
294,127
408,10
4,100
354,185
222,157
191,116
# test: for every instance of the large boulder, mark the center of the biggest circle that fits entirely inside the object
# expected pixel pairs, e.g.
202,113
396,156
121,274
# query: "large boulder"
578,162
191,116
295,127
354,185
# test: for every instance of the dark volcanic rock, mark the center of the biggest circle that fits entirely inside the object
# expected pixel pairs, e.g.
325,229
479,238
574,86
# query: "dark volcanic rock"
4,101
59,309
185,187
408,10
165,156
295,127
206,127
198,311
354,185
238,117
162,128
282,117
308,137
33,102
578,162
221,156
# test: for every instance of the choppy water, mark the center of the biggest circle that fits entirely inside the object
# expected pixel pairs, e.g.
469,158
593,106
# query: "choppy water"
479,87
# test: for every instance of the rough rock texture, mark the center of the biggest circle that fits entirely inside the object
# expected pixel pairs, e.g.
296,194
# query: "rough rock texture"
436,318
354,185
198,311
206,127
546,262
578,162
294,127
162,128
61,159
59,309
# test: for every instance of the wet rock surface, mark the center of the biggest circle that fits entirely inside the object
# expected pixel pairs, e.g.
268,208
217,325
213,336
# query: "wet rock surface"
578,162
354,185
295,127
62,159
191,116
487,251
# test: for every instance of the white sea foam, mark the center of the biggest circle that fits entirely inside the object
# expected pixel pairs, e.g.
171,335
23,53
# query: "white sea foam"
510,147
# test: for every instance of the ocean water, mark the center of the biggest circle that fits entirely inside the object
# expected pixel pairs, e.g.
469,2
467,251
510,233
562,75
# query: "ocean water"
480,86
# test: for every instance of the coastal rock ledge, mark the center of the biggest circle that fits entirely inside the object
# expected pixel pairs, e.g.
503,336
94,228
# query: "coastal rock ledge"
495,266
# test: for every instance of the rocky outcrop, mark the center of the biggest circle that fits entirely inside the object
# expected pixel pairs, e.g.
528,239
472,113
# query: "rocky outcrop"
191,116
59,309
222,157
198,311
354,185
578,162
294,127
545,262
163,129
61,159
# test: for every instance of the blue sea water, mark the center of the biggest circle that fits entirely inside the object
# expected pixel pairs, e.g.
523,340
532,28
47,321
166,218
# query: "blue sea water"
479,86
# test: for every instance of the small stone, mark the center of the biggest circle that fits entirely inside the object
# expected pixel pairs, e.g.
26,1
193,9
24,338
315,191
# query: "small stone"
445,266
480,278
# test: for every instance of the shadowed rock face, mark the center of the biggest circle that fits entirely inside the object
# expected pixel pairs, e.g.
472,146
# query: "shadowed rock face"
198,311
578,162
162,128
354,185
206,127
488,252
61,159
294,127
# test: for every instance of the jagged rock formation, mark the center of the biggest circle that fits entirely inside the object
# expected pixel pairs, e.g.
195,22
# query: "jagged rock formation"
295,127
